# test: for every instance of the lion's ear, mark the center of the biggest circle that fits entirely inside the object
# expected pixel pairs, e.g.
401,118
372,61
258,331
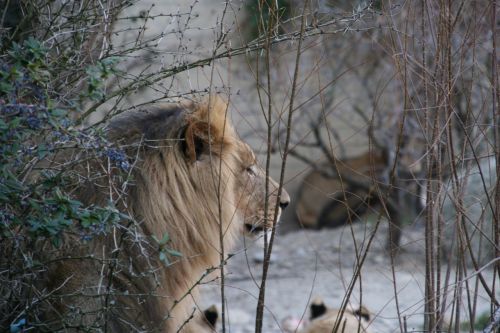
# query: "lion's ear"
318,308
196,140
207,127
211,316
362,313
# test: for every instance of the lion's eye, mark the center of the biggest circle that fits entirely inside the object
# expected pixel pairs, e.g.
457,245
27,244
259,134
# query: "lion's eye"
251,170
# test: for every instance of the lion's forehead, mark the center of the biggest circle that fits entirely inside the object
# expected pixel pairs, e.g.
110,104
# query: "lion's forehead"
245,153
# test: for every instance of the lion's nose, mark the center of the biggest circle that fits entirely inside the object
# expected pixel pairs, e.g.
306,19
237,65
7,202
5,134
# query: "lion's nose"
285,199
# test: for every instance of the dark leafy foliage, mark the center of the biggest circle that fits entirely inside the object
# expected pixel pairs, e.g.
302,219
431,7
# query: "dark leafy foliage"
36,201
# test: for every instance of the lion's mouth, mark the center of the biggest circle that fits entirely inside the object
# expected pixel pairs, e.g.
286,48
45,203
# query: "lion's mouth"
253,229
258,227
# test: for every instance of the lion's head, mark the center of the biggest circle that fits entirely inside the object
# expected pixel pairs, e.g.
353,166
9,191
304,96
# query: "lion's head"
323,319
195,167
195,181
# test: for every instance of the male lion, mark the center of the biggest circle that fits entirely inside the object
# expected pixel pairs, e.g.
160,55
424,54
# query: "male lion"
196,182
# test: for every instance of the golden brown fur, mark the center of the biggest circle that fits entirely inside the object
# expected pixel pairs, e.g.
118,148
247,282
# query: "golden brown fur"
323,320
348,190
194,181
319,190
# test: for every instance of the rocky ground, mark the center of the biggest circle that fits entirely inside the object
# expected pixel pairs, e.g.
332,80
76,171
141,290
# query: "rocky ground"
309,263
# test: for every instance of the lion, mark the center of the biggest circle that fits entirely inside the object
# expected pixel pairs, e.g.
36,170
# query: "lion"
331,201
335,195
320,192
195,182
323,319
207,320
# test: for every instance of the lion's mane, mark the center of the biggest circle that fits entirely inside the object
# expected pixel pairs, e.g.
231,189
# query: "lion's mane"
184,188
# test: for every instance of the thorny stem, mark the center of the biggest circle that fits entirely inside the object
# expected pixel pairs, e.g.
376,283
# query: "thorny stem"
309,30
260,300
496,126
265,268
218,176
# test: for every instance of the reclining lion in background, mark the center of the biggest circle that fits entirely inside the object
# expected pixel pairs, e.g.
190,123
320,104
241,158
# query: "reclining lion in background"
322,320
335,195
195,181
325,201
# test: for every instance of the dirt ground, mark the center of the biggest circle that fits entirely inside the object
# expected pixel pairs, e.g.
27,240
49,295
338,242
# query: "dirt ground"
307,263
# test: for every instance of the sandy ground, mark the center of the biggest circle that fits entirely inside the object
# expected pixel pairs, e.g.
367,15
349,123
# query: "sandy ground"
308,263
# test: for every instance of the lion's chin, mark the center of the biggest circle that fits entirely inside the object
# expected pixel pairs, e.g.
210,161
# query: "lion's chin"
256,231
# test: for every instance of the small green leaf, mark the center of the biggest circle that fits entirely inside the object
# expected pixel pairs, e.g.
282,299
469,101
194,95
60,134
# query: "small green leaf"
165,239
174,253
42,151
58,113
56,241
164,258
